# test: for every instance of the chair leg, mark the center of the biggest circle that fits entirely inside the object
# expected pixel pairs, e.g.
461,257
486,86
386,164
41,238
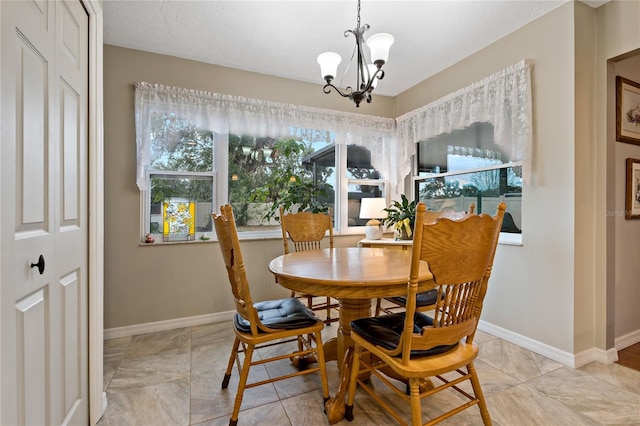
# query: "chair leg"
310,301
328,321
323,369
232,359
353,381
378,305
477,390
416,411
244,375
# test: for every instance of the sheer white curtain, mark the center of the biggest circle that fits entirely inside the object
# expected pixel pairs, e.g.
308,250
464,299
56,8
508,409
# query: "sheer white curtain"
235,114
502,99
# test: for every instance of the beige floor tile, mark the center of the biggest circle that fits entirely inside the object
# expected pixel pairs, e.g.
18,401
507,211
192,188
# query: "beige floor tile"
597,399
151,369
221,332
162,342
626,378
515,361
114,349
526,406
174,377
210,401
159,404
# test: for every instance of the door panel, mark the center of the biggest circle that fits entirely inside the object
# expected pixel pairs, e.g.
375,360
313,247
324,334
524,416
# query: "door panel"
70,159
31,330
43,166
71,338
32,138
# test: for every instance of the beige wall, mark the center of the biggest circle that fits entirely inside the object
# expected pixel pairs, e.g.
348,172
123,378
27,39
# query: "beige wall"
538,276
145,283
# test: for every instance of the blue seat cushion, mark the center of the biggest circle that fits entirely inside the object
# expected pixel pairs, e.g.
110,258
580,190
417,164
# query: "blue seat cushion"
385,331
284,314
425,298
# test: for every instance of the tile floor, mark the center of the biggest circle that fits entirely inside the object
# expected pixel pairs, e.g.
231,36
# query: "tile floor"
174,378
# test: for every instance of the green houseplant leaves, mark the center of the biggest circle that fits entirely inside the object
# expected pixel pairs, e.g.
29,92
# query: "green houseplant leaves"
401,215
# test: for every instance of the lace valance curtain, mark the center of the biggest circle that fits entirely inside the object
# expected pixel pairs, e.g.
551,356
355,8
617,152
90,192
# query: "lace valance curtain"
502,99
235,114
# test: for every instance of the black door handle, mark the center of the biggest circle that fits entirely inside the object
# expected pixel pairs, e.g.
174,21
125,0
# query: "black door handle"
40,264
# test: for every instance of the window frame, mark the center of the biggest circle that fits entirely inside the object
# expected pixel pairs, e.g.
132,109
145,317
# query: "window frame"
145,203
220,175
505,238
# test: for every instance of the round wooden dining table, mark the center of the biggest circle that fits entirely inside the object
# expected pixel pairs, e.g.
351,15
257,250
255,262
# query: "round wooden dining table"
353,276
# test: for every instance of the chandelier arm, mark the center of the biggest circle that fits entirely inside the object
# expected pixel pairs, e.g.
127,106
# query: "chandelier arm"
379,74
347,91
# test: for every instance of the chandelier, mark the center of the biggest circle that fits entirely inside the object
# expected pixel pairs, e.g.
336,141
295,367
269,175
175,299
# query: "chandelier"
367,73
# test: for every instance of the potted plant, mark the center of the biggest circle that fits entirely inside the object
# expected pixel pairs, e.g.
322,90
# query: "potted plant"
401,215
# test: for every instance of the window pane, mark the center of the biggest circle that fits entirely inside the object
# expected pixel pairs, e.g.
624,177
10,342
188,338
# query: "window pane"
264,172
359,168
179,145
468,148
320,166
251,163
170,188
356,193
359,163
485,189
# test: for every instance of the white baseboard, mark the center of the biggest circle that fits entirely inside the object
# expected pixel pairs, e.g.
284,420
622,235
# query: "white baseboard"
594,354
543,349
627,340
566,358
151,327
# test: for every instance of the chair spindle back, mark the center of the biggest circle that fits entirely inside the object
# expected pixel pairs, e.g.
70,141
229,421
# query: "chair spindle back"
227,234
460,254
306,230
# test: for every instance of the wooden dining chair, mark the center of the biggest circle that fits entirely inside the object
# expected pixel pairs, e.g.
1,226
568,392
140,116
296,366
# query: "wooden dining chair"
415,346
308,231
426,300
263,324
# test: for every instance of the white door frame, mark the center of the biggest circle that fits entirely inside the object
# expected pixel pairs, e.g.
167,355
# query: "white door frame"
97,397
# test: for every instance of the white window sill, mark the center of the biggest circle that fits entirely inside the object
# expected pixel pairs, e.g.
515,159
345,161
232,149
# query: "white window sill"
510,239
505,238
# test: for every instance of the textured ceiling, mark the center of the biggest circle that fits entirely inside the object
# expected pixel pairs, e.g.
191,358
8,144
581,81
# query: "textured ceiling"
283,38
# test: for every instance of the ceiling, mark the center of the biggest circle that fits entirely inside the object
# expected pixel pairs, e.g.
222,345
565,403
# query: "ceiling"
283,38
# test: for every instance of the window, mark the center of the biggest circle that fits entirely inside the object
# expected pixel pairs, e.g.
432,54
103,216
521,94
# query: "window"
181,177
356,172
466,166
266,172
193,154
187,180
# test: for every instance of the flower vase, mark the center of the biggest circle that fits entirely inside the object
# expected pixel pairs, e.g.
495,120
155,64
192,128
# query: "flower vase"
401,234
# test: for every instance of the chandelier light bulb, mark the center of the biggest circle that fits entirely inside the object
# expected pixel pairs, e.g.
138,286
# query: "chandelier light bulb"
329,62
379,45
